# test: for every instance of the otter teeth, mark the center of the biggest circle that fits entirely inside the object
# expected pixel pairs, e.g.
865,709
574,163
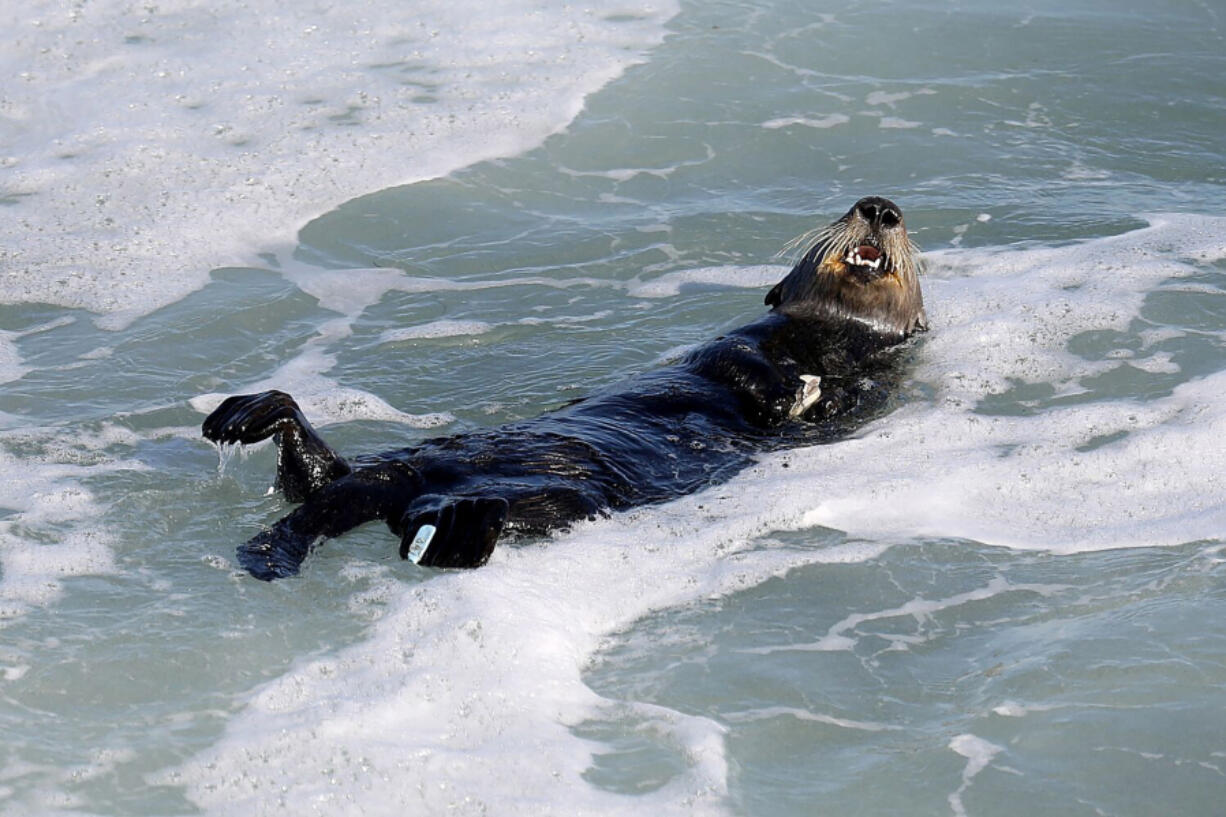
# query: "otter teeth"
854,259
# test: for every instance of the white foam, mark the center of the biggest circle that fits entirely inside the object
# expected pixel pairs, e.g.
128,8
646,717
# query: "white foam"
11,367
11,363
898,123
566,320
14,673
151,143
1022,482
828,121
879,98
978,753
350,291
767,712
465,692
1012,709
625,174
54,530
670,284
436,329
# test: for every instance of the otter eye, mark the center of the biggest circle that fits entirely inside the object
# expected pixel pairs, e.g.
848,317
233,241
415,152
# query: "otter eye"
889,218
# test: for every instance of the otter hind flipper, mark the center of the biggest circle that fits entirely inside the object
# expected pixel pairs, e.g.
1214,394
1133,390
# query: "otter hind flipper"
340,506
453,531
305,462
276,552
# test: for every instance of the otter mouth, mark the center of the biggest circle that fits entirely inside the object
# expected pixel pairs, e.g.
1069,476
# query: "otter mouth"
868,259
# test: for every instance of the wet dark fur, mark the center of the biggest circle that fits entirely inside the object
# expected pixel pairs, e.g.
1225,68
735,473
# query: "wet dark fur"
667,432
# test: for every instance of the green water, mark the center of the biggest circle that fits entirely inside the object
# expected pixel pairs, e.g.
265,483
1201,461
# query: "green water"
1003,600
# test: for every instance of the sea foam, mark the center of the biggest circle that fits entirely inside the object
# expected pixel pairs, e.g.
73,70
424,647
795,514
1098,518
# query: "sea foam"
41,539
146,144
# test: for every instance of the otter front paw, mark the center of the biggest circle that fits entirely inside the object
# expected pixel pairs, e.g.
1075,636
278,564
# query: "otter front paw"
249,418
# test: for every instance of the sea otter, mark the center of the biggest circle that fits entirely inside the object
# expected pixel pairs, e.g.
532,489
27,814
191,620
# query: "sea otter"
818,362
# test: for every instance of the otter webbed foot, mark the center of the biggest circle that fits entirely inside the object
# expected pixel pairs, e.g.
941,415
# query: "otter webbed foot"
250,418
339,506
275,553
453,531
306,463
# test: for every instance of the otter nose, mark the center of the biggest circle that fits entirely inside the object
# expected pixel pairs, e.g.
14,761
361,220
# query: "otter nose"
878,212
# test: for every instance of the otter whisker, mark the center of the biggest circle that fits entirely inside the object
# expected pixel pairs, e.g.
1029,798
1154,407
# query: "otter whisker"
863,264
801,244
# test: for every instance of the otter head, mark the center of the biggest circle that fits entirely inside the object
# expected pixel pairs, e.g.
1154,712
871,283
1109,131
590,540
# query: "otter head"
862,266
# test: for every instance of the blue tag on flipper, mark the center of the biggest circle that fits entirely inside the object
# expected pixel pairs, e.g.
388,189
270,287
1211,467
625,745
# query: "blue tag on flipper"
421,541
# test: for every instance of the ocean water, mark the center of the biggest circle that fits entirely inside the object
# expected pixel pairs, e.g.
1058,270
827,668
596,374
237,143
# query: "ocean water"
1004,598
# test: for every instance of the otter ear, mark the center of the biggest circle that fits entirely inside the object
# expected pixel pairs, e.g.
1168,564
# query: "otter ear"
775,295
800,277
